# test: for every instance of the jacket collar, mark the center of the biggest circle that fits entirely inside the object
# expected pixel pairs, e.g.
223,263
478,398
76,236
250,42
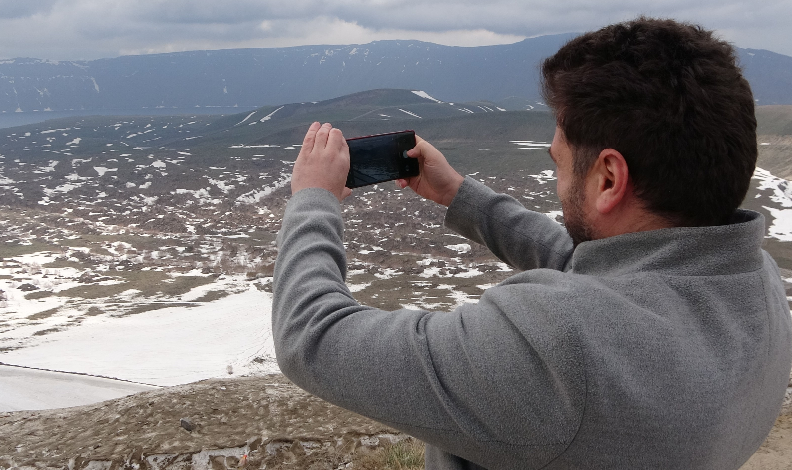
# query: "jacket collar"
686,251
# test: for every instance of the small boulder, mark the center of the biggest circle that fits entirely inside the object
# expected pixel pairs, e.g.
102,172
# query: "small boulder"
187,424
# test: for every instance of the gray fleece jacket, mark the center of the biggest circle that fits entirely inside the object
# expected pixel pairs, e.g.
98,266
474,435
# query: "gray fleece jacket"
663,349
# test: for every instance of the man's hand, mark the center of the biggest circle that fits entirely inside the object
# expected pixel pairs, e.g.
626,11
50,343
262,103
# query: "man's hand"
323,161
437,180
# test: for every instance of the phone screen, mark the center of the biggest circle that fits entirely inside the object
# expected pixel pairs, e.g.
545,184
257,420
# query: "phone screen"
378,158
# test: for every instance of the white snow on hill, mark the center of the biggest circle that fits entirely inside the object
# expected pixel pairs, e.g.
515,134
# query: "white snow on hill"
30,389
411,114
423,94
170,346
781,194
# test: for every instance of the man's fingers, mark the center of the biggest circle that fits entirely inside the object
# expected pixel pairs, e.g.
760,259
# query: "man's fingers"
322,135
420,151
336,139
310,137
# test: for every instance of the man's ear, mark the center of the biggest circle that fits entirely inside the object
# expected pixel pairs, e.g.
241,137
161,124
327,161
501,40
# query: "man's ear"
612,177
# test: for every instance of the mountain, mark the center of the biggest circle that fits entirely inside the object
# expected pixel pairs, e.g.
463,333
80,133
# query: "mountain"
769,74
504,74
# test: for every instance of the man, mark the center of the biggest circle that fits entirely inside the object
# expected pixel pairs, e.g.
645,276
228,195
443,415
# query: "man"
656,334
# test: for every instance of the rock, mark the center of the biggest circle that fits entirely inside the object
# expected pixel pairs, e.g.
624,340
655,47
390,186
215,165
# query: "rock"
88,277
27,287
187,424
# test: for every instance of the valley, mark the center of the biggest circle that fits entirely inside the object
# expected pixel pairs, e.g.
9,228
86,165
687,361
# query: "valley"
111,224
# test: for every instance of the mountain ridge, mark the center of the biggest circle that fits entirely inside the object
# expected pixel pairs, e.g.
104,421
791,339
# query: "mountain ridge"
266,76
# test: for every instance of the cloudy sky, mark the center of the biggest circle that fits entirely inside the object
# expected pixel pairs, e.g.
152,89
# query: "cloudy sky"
90,29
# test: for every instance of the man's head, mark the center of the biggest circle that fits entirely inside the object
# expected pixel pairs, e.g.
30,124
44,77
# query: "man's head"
671,100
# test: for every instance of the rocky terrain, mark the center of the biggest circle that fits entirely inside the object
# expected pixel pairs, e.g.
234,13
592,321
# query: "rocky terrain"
111,218
261,422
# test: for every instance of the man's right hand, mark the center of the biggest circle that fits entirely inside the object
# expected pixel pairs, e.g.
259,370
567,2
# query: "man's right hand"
437,180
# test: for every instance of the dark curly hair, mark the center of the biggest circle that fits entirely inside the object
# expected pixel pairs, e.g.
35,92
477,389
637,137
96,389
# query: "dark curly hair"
671,98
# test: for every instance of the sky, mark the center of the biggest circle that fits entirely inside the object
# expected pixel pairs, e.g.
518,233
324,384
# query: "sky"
92,29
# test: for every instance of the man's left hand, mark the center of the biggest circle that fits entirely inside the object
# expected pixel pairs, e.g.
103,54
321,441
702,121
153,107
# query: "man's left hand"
323,161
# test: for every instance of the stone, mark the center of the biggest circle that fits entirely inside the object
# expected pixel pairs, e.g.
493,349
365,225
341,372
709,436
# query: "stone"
187,424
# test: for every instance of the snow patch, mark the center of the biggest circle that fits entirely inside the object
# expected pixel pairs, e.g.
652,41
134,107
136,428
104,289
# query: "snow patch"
170,346
102,170
269,116
530,144
423,94
411,114
253,197
460,248
554,215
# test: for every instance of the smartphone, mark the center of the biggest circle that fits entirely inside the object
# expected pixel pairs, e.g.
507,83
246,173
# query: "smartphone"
382,157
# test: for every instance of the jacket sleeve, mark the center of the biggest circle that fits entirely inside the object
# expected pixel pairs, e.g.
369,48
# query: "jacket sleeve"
519,237
439,376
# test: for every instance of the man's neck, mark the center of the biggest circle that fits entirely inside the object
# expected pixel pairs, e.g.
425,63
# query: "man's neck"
628,219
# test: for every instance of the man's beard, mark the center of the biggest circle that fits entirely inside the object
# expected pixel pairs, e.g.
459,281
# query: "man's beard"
574,220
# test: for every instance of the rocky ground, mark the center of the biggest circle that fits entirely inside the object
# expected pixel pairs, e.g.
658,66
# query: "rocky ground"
776,452
262,422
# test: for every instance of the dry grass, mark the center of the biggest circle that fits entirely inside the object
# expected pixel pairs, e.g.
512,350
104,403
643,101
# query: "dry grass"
404,455
43,315
213,295
39,295
47,331
9,250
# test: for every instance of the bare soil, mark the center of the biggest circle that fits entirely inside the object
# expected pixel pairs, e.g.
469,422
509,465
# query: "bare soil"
268,418
776,452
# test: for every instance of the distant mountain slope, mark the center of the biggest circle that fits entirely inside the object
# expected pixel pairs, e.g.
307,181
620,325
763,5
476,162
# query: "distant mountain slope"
269,76
769,74
775,139
505,74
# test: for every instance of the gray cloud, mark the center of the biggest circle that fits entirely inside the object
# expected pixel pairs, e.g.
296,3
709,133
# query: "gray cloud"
23,9
73,29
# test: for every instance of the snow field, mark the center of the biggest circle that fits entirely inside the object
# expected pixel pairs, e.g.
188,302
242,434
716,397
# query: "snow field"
170,346
780,193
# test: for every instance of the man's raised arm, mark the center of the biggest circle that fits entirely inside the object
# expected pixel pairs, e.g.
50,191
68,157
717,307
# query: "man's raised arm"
523,239
420,372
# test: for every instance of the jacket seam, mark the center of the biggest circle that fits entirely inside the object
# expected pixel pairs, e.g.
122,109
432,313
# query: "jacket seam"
582,415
